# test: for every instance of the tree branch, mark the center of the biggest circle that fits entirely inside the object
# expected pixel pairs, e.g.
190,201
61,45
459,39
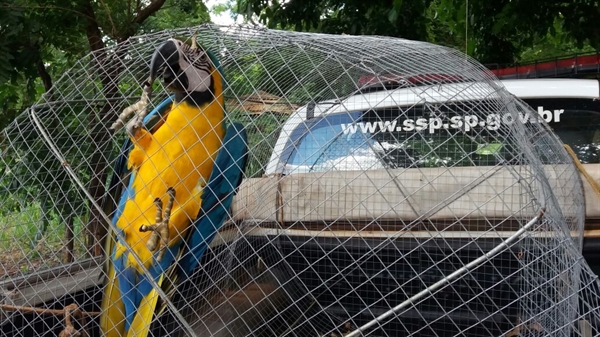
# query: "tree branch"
152,8
92,30
129,8
112,23
44,75
43,311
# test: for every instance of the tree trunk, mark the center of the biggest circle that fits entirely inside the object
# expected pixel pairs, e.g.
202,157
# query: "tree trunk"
43,223
96,228
69,254
109,71
44,75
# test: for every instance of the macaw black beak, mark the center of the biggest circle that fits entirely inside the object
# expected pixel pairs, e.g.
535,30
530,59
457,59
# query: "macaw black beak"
165,54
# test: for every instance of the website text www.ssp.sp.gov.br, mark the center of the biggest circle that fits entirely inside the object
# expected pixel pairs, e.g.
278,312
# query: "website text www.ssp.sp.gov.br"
491,122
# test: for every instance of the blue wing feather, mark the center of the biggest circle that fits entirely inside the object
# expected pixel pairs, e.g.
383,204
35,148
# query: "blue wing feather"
217,196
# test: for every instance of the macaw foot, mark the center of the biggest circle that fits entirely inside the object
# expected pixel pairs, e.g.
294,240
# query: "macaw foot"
138,109
160,230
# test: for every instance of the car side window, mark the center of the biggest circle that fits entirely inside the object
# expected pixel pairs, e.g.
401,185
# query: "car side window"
348,151
325,144
383,138
576,122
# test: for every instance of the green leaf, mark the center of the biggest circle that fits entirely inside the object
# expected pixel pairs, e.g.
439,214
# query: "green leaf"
397,5
497,27
488,149
393,15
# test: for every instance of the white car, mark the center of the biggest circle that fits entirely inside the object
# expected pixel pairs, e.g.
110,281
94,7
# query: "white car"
377,128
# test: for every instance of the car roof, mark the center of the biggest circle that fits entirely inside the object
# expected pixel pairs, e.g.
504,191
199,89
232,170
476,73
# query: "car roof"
406,96
553,88
462,91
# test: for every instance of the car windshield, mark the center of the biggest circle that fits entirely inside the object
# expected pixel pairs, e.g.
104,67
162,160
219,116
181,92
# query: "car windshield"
394,138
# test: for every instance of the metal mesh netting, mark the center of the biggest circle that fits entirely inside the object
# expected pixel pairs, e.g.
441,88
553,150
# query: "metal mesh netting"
391,188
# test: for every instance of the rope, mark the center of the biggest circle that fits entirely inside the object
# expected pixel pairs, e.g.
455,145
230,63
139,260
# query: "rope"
594,184
70,312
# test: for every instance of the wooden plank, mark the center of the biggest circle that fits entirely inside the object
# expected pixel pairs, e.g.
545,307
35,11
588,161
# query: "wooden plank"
50,284
34,294
43,275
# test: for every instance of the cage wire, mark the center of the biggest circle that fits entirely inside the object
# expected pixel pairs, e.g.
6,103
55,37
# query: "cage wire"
391,188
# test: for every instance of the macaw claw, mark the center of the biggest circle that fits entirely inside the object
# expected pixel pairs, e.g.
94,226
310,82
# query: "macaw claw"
160,230
138,109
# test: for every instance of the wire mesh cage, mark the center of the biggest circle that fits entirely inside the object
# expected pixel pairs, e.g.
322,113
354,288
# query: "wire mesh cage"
275,183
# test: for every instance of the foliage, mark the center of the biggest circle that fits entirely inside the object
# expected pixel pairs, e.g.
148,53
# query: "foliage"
32,34
263,131
377,17
504,31
177,14
556,43
492,32
42,39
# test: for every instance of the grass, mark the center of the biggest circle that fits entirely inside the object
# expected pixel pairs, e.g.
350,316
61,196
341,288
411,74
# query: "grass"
25,248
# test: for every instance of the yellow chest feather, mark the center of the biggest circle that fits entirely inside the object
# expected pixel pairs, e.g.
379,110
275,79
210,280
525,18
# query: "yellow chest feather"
180,154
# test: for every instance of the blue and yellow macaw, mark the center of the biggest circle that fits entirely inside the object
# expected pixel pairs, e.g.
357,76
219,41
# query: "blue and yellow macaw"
192,163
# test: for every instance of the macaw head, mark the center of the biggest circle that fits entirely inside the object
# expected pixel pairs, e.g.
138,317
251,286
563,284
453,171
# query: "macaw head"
186,68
